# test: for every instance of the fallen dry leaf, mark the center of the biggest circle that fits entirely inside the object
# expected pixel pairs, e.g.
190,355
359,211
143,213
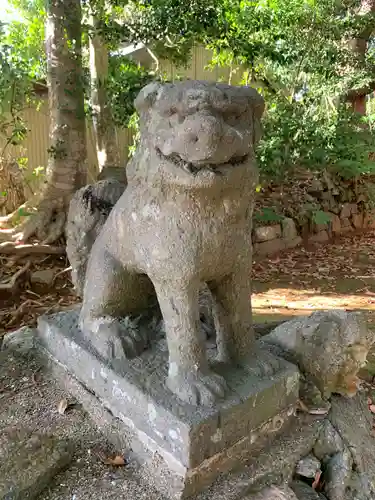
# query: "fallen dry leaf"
372,409
316,482
117,461
64,405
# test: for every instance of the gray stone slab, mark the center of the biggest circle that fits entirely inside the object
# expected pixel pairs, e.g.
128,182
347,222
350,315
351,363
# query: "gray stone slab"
274,464
305,492
354,422
190,440
29,461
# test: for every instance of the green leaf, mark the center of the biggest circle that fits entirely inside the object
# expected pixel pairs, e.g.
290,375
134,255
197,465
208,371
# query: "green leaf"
268,215
319,217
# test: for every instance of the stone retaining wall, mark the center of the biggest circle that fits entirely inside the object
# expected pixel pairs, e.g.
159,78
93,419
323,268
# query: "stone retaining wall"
287,234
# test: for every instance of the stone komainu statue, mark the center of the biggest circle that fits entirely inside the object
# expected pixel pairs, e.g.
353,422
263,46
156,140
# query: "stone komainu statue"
184,220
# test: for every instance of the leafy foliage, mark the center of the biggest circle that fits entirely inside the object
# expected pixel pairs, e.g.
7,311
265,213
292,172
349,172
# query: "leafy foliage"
125,80
267,215
297,54
22,63
14,89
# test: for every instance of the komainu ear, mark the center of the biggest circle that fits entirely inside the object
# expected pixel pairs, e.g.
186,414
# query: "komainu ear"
147,97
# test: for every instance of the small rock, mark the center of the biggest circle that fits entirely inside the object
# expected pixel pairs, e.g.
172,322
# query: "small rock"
304,492
321,345
361,487
338,471
316,186
346,225
347,210
357,220
43,277
354,208
329,442
293,243
273,493
318,228
308,467
320,237
31,465
335,224
369,220
311,400
22,340
267,233
269,247
289,230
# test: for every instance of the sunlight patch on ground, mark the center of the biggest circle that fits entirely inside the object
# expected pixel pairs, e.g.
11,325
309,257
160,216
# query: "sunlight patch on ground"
292,302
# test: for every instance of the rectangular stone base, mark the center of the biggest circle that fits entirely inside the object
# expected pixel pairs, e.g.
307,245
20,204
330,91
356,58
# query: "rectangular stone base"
188,446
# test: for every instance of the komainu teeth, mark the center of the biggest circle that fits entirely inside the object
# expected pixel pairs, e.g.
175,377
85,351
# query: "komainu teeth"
194,169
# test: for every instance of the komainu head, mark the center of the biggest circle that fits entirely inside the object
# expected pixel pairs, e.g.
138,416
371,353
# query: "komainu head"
201,124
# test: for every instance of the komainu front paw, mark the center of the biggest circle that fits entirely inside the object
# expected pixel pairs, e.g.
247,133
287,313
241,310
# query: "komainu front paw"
114,339
261,364
197,388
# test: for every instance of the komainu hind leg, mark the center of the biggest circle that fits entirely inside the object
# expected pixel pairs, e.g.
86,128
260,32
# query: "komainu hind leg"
112,294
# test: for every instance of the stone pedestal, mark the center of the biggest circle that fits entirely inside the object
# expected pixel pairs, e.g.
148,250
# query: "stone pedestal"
186,447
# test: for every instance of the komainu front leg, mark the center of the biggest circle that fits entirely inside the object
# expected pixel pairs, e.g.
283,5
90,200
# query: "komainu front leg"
112,293
189,376
234,327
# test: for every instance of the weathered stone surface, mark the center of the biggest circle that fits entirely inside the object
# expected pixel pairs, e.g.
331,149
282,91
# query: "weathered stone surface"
269,247
369,220
308,466
184,219
358,220
347,210
311,398
346,225
274,493
329,442
88,211
359,488
274,465
353,421
338,471
293,243
29,463
289,230
304,492
44,277
320,237
353,208
318,228
328,346
335,224
202,440
267,233
21,340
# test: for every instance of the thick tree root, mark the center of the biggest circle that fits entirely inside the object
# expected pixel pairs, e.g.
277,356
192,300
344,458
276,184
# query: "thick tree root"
10,248
12,284
47,224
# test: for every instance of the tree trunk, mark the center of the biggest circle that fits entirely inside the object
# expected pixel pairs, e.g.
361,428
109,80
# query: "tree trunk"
357,97
66,169
105,130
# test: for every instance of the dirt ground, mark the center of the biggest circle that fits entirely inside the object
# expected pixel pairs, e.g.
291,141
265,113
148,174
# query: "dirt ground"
339,275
